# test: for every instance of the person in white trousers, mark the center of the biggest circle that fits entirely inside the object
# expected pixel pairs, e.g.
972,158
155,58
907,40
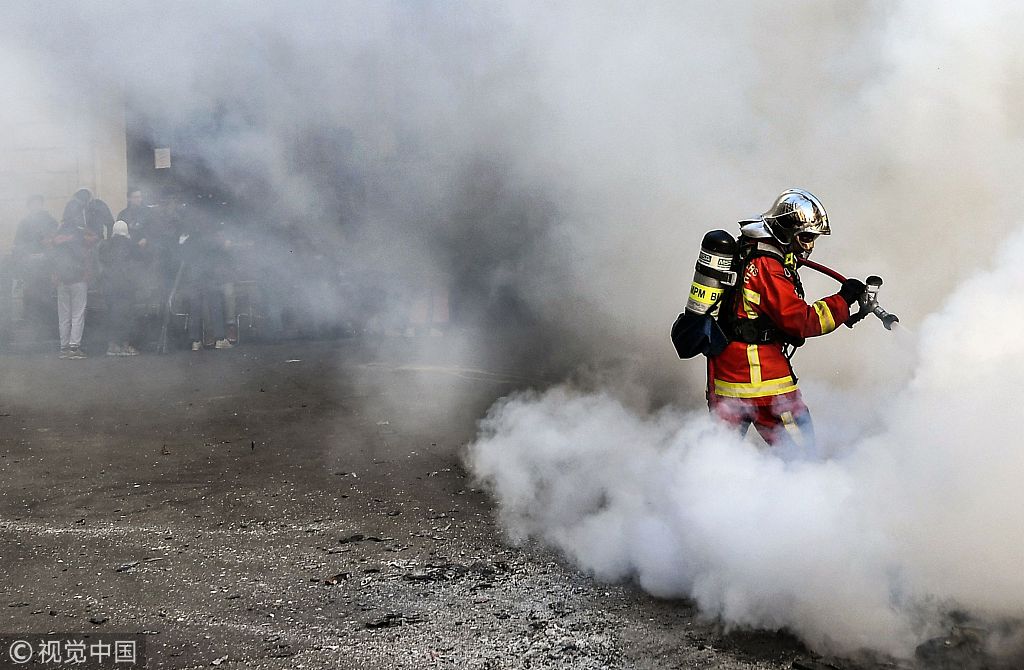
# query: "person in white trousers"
71,301
72,262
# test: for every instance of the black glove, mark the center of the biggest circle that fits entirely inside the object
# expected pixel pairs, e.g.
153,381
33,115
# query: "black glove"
852,290
857,317
794,341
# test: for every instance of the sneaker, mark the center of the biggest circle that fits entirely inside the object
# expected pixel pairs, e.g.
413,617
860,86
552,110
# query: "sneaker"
197,346
64,352
129,351
75,352
115,350
223,344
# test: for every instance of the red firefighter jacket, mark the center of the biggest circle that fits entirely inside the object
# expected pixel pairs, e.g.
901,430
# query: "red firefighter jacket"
760,372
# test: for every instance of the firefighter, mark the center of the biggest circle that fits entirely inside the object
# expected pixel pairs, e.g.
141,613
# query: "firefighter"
751,381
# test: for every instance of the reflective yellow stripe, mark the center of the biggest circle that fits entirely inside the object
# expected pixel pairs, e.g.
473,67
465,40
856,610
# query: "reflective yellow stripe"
704,294
792,428
754,360
828,324
759,390
750,297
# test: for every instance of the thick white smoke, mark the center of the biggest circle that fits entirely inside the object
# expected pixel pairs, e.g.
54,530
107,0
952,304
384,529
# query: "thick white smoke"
865,549
571,155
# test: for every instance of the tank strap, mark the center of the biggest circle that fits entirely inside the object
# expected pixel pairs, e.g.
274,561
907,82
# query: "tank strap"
728,278
760,330
754,331
760,248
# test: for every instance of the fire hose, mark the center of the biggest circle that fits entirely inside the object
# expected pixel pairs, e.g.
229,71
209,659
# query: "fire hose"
868,301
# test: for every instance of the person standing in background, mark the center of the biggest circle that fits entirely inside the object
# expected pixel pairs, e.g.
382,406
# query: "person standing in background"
136,215
200,248
35,229
71,256
31,269
98,218
119,258
74,211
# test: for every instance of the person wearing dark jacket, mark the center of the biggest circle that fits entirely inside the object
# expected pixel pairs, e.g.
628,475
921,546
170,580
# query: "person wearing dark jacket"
36,229
89,212
33,235
71,256
99,219
74,211
136,215
200,249
119,257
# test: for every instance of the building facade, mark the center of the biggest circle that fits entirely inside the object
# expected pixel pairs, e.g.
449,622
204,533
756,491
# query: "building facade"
51,150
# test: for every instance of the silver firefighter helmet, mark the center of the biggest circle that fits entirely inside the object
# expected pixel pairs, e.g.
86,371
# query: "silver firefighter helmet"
795,211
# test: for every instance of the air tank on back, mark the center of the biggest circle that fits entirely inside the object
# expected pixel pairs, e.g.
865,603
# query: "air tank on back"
714,272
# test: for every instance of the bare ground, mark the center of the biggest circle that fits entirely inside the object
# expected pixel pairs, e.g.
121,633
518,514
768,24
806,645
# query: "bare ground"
300,505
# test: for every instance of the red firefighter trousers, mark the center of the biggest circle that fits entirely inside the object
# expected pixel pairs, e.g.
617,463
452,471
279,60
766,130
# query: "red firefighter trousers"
786,420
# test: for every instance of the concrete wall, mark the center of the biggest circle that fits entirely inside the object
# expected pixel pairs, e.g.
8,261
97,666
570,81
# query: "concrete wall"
52,150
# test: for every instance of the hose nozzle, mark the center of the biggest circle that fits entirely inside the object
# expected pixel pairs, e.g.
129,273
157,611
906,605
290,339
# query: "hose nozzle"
869,302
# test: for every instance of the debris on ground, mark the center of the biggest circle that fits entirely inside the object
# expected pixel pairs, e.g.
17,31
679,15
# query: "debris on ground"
392,620
964,647
359,537
258,570
805,664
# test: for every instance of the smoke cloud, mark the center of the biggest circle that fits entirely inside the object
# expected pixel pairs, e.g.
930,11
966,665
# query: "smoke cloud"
909,510
555,166
867,549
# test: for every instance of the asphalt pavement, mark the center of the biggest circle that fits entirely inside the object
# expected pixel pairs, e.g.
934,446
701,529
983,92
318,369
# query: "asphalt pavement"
301,505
